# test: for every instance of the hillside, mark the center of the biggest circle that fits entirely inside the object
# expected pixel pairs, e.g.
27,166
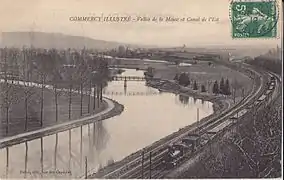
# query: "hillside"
55,40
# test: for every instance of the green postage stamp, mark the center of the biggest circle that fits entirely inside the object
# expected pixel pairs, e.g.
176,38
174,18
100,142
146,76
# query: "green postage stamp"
254,18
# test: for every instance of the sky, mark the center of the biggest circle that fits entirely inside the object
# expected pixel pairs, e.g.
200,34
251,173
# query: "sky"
54,16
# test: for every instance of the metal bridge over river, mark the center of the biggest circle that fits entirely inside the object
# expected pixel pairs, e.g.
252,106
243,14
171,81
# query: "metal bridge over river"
131,78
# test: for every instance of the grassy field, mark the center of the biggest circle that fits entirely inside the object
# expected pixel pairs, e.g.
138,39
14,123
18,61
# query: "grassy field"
206,75
17,112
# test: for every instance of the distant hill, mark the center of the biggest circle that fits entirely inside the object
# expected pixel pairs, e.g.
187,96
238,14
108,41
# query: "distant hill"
55,40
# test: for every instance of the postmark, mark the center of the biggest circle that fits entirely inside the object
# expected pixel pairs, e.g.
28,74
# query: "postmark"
254,18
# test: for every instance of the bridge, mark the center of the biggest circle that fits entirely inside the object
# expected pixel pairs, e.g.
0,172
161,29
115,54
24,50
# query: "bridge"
114,93
131,78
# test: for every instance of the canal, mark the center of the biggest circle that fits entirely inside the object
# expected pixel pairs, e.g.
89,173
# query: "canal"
148,116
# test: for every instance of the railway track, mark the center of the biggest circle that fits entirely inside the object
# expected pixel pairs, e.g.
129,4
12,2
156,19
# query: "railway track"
133,168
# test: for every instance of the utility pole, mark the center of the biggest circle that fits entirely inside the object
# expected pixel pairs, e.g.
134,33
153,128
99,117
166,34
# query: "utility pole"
142,165
243,93
150,166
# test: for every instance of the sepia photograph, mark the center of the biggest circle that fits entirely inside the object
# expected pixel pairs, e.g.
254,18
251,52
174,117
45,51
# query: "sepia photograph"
152,89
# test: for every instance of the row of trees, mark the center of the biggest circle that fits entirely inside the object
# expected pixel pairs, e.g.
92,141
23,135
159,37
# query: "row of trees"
222,88
75,70
218,88
183,79
270,63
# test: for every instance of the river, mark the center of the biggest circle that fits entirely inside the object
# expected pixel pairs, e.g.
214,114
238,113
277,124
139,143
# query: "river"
148,116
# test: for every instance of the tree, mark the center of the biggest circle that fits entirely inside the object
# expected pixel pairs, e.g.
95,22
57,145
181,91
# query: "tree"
227,87
176,77
216,88
195,86
56,78
184,79
28,92
82,75
149,72
89,91
9,97
8,91
222,86
46,65
203,89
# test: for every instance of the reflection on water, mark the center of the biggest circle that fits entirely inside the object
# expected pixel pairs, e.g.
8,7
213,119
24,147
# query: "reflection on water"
183,99
62,155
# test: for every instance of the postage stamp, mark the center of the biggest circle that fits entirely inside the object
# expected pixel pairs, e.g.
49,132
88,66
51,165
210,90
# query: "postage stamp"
254,19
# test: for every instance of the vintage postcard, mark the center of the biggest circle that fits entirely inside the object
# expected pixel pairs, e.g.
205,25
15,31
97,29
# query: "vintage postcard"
131,89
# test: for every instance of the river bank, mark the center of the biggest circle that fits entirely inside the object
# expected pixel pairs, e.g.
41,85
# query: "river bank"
173,87
113,109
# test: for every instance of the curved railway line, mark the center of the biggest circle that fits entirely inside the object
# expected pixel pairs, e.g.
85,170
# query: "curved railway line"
258,97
